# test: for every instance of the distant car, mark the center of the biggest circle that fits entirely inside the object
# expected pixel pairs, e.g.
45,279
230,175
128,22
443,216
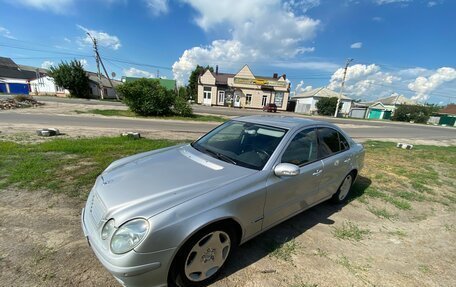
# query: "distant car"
175,215
270,108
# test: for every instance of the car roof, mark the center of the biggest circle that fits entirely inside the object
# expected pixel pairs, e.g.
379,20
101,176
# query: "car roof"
281,121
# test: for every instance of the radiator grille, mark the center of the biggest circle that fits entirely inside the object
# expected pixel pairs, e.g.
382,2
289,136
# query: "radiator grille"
97,209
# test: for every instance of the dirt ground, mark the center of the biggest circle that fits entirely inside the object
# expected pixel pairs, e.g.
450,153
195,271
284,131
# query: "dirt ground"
41,243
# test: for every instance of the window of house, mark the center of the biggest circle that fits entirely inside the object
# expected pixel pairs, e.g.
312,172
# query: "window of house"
302,149
278,99
248,99
264,101
207,93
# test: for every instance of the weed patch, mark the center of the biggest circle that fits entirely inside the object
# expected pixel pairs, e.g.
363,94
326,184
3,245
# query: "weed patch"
350,231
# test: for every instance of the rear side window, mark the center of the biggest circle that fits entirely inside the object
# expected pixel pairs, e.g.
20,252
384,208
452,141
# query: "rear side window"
343,142
329,141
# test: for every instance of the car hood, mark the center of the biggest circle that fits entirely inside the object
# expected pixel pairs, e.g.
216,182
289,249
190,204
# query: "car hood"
147,184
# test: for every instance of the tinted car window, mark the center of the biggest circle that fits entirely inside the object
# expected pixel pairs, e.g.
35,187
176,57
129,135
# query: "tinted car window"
329,141
302,149
343,142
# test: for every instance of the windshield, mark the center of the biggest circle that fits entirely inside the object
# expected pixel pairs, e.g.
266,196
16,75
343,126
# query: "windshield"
245,144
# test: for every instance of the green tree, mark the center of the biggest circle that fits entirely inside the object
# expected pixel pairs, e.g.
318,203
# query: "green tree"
72,77
417,114
327,106
147,97
192,87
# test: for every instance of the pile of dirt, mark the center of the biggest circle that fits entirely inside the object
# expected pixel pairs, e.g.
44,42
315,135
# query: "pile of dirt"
19,102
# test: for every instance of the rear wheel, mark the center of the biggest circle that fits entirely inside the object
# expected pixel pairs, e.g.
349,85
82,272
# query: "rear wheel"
203,256
344,189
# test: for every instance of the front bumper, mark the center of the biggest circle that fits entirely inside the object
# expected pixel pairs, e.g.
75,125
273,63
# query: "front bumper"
132,269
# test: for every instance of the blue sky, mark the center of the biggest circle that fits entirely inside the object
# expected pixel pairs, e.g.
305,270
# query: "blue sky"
398,46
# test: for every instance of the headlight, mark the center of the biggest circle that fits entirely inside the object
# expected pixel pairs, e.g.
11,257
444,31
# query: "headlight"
129,235
108,229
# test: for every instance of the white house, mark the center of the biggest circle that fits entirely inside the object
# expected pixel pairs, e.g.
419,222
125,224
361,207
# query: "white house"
306,102
45,85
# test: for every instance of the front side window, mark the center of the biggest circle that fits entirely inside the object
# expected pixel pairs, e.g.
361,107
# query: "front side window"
329,141
240,143
302,149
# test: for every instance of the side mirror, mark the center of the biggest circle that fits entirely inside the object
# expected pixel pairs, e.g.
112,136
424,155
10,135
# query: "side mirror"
286,169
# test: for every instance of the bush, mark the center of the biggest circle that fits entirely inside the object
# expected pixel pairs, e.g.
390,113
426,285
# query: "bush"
327,106
417,114
182,108
146,97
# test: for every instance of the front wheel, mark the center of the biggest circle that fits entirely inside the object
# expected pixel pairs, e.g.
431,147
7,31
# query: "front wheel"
202,257
344,189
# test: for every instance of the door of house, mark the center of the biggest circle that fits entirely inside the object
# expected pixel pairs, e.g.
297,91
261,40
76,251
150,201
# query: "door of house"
221,98
207,96
237,100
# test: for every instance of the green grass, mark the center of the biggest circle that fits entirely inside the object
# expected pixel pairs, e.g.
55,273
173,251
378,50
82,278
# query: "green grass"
284,250
350,231
350,266
128,113
399,233
67,166
382,213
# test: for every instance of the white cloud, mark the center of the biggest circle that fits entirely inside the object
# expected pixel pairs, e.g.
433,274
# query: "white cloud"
103,38
424,86
157,7
357,45
377,19
47,64
301,88
383,2
67,40
300,6
364,81
6,33
56,6
253,36
133,72
84,63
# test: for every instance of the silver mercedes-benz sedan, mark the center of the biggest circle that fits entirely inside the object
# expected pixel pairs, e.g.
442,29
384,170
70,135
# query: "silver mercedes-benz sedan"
174,216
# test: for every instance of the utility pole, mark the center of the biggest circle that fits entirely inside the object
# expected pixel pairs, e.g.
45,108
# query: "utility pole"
95,50
342,86
99,61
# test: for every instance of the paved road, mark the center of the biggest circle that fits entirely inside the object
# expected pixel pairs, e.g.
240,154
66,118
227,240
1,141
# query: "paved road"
359,130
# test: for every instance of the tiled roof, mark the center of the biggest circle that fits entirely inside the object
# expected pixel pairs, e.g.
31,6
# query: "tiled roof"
450,110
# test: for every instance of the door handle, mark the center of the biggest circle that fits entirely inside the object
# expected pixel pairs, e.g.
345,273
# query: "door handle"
317,172
347,160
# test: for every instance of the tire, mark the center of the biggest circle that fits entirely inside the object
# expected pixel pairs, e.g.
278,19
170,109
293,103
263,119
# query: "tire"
344,189
212,246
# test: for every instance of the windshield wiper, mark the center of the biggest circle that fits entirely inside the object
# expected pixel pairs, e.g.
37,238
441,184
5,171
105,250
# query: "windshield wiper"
215,154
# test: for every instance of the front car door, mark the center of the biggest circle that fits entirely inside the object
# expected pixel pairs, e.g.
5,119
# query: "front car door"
287,196
336,156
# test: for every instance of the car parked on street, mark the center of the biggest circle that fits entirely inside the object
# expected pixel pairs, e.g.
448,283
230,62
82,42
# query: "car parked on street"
272,108
174,216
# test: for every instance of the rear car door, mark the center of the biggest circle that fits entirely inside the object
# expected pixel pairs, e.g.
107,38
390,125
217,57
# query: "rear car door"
336,156
287,196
